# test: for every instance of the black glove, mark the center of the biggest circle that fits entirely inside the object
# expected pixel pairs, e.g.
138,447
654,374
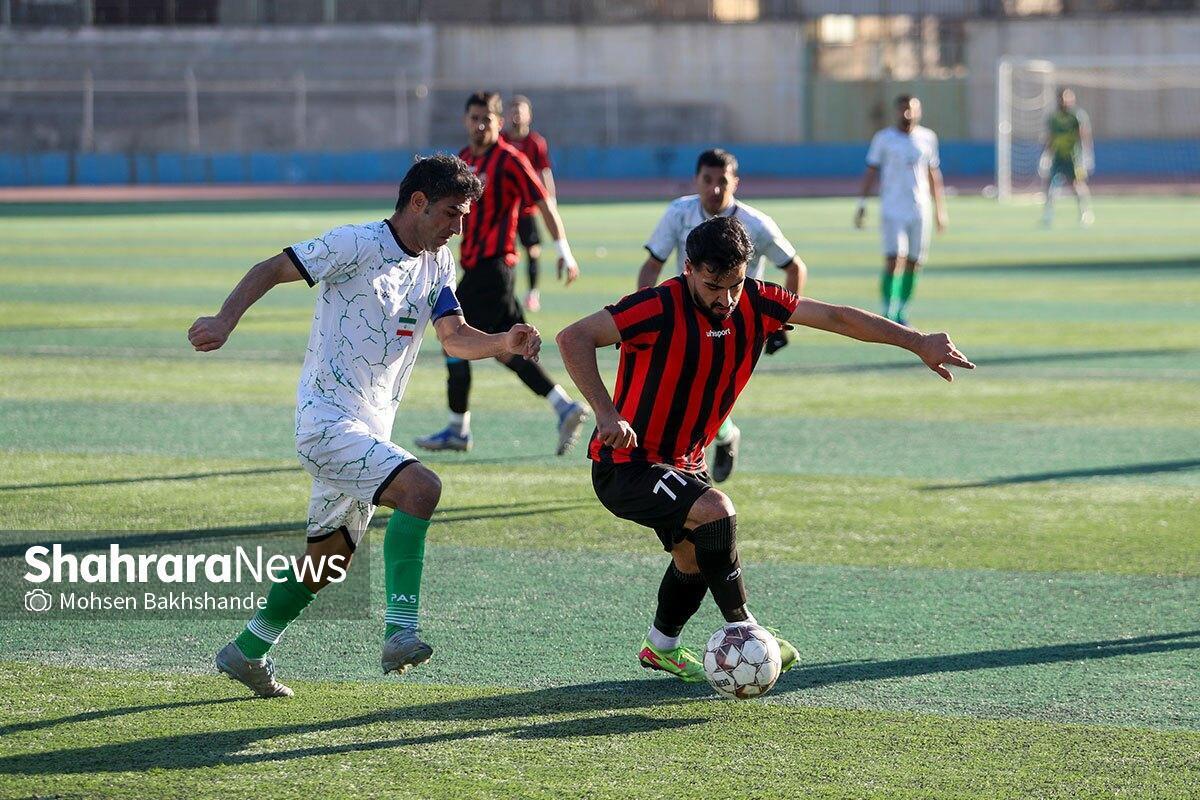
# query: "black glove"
776,342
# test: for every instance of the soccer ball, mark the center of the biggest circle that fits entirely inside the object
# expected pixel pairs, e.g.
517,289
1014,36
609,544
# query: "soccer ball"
742,660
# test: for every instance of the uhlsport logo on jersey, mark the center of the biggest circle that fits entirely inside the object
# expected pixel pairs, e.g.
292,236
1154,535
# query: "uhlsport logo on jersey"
719,333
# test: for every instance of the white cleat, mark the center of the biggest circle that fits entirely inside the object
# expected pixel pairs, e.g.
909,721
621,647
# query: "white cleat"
569,423
404,650
256,674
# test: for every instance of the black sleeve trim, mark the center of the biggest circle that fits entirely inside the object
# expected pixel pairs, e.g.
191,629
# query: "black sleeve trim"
290,253
391,477
455,311
653,254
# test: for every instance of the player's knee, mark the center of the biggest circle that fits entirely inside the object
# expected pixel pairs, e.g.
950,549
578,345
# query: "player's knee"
416,490
712,506
335,550
535,251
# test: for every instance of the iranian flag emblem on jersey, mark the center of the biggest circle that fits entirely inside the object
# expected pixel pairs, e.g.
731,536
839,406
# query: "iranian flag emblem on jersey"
407,325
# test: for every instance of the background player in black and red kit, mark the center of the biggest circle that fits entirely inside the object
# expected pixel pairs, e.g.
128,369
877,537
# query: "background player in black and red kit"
688,347
533,146
488,256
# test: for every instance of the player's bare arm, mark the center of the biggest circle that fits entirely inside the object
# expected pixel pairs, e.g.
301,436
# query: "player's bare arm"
868,185
795,275
548,181
648,274
554,224
577,344
209,333
937,187
935,349
460,340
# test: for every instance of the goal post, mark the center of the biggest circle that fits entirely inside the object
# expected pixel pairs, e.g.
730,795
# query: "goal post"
1144,114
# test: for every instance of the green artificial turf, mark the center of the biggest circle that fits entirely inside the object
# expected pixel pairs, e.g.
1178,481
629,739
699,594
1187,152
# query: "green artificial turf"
992,583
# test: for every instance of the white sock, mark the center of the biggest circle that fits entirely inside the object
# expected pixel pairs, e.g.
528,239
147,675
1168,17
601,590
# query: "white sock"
559,400
661,640
460,424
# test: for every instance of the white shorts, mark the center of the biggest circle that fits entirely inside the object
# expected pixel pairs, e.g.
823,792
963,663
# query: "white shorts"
906,237
350,465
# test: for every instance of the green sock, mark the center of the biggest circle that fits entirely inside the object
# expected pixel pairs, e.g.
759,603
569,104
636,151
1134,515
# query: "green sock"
907,283
885,290
725,432
403,561
285,602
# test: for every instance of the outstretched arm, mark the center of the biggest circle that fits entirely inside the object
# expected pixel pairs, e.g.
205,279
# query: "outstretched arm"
868,184
209,333
935,349
577,343
554,224
460,340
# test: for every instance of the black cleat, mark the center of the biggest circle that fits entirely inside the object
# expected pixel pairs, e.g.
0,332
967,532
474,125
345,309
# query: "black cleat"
725,455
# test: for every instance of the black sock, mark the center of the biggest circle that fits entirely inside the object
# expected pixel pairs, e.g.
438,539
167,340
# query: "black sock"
531,374
458,384
716,553
679,597
533,272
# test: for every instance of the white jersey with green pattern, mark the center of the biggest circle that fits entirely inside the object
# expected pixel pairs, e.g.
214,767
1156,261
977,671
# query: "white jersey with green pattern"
375,301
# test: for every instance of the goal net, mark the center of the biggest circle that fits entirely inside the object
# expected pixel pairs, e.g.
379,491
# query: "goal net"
1144,114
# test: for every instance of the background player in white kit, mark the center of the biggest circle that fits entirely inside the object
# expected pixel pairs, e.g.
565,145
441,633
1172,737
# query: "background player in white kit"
716,182
905,159
381,283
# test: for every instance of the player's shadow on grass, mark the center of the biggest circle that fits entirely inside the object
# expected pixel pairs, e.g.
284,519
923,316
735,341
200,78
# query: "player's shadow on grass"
1150,468
808,677
511,715
184,476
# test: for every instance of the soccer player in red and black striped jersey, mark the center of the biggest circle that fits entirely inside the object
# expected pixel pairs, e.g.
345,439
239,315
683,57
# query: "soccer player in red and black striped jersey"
688,348
488,257
519,133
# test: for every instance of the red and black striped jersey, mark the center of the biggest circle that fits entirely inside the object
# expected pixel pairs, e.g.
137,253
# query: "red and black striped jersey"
680,373
509,184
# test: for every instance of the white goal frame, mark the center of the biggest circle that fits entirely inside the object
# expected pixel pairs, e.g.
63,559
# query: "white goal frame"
1047,64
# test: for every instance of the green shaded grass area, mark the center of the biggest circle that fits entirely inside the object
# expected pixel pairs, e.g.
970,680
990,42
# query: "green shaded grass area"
135,735
1059,647
1121,525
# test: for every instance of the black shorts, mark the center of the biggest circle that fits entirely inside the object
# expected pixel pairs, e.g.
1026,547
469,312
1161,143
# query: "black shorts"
654,495
527,231
486,296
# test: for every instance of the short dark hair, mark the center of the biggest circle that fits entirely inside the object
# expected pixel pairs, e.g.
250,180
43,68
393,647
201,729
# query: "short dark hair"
718,245
717,158
520,99
437,177
489,100
904,99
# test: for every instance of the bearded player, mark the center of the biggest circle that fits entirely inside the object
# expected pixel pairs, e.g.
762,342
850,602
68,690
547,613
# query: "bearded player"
688,347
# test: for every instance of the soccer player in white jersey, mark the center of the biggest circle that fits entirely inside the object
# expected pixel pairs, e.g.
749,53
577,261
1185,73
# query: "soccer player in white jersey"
904,158
716,182
381,283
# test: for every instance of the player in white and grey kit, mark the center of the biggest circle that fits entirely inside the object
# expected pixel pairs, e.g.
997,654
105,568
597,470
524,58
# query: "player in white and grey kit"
905,160
716,182
380,283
